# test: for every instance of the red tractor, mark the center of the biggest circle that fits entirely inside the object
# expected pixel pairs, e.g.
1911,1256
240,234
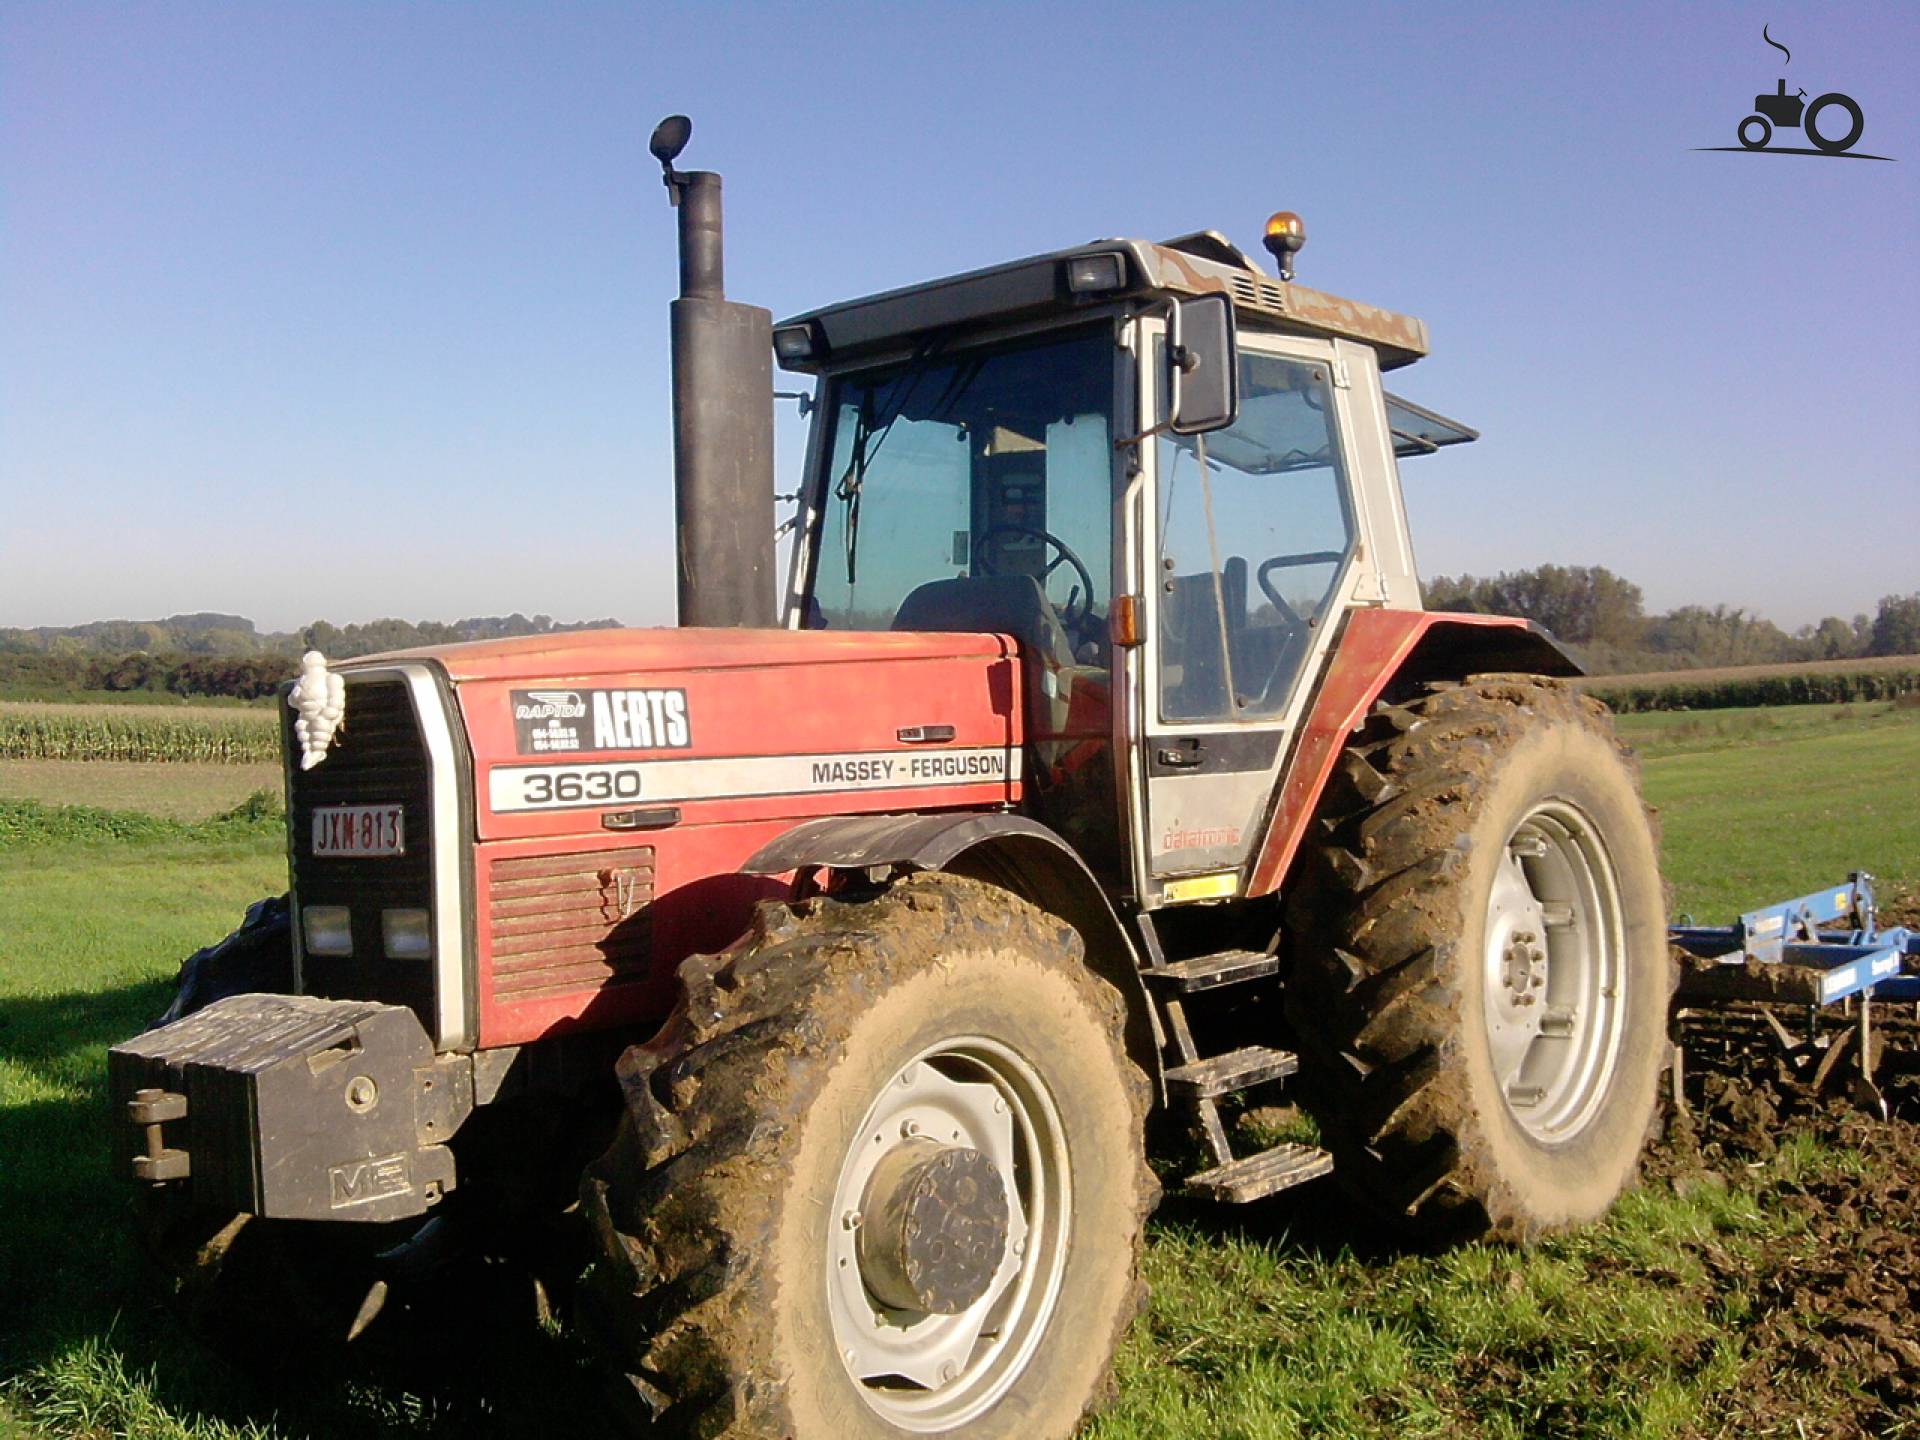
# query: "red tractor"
822,976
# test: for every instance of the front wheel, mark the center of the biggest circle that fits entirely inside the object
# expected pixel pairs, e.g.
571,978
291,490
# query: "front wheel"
882,1175
1755,131
1482,974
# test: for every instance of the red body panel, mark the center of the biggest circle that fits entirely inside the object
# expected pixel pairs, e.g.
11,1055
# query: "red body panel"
1369,653
841,701
750,697
700,903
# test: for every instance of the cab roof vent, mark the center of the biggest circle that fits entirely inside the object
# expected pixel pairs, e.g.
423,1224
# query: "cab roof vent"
1257,292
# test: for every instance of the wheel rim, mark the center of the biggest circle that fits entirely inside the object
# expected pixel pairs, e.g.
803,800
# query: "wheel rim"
930,1372
1554,983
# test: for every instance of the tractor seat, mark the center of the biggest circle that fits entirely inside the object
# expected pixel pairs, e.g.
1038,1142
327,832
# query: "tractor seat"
1001,605
990,604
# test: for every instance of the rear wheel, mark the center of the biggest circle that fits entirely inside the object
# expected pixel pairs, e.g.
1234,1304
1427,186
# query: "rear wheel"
1481,970
881,1175
1856,122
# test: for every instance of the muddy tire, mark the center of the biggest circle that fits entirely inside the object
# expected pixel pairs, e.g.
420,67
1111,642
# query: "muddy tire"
825,1054
1480,975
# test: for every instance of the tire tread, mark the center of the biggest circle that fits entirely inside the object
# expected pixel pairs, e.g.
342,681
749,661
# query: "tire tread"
680,1200
1368,994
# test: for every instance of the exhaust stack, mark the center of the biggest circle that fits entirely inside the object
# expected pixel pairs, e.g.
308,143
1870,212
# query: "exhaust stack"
722,415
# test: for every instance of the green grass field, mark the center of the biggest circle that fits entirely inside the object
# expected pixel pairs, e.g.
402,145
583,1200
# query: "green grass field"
1284,1321
1762,805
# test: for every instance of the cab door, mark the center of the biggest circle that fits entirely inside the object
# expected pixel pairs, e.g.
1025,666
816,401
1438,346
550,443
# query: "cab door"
1248,537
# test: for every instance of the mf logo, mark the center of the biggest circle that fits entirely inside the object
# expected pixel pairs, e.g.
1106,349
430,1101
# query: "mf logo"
1820,120
360,1181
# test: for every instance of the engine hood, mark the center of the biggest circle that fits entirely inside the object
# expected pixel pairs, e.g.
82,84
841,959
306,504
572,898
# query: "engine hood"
587,654
728,726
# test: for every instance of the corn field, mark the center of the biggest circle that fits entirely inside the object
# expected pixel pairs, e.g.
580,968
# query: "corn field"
30,731
1886,678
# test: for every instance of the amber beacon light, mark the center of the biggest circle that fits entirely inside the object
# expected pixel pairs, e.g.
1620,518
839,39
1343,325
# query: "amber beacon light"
1285,235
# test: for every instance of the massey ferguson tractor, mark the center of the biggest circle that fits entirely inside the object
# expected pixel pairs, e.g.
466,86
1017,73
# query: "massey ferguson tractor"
796,994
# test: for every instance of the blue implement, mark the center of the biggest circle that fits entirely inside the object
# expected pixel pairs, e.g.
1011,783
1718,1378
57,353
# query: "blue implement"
1861,959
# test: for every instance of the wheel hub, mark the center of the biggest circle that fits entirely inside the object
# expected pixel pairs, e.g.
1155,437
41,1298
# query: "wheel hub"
933,1229
1525,967
948,1235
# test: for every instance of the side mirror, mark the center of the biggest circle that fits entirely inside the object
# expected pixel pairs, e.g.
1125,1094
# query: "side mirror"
1204,378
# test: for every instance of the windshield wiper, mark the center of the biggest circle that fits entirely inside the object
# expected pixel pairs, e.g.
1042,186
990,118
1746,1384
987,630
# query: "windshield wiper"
865,446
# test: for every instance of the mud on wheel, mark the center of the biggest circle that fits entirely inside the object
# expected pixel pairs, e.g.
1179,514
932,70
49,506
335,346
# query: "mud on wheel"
881,1174
1481,976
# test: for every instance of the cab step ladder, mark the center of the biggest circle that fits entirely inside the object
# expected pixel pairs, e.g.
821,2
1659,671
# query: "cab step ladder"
1197,1082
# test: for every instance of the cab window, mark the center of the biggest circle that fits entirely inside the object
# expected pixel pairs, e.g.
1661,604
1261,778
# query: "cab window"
1250,545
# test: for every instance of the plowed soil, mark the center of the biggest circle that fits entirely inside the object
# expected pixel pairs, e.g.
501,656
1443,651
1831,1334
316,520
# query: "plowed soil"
1844,1297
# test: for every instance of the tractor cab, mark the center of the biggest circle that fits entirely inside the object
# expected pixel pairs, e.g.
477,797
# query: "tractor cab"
1163,473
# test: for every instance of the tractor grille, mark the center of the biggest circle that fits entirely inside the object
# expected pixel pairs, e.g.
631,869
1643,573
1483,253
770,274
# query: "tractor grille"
570,922
377,758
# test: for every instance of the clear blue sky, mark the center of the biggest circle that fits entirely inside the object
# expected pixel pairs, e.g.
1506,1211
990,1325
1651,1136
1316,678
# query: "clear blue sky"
352,310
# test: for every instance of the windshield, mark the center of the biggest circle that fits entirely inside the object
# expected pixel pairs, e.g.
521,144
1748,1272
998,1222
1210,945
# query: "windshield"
980,465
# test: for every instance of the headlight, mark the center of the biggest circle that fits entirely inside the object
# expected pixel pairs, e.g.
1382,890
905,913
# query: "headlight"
326,929
794,344
1096,274
406,934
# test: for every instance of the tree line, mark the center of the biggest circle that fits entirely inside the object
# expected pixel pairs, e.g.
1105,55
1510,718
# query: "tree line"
1603,617
219,655
212,633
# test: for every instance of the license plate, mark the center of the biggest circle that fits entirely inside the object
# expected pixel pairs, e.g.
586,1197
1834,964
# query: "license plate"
360,830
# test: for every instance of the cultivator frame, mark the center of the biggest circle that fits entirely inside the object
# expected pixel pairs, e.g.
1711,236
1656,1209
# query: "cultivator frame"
1816,951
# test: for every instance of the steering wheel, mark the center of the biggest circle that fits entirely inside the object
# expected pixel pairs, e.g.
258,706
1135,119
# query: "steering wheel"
1289,562
1070,615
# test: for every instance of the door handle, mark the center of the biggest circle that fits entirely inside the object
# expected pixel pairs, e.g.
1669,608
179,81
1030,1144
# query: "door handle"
924,734
1183,756
658,818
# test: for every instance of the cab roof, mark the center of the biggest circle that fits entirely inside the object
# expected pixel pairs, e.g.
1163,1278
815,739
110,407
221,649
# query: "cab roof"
1203,263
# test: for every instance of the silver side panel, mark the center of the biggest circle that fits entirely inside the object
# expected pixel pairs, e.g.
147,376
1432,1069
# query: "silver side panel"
1376,478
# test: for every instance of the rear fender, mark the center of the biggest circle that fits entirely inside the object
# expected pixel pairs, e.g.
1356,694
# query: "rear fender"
1009,851
1377,650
